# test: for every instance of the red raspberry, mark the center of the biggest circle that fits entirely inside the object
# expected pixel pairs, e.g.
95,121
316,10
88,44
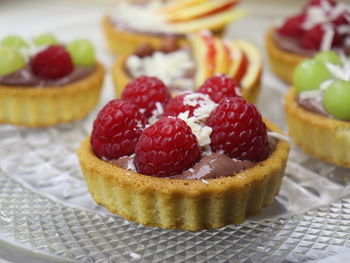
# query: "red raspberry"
176,105
220,87
145,92
341,19
312,39
166,148
117,129
54,62
238,130
292,27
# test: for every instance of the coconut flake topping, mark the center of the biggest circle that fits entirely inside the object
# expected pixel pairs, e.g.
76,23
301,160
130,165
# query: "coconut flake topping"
143,17
200,115
171,68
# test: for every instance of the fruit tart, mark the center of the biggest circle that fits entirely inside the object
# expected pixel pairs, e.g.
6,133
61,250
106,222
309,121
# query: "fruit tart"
321,25
185,68
132,23
186,162
318,109
44,82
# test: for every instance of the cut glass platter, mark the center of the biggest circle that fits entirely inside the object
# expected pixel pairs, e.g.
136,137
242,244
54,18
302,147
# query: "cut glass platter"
47,214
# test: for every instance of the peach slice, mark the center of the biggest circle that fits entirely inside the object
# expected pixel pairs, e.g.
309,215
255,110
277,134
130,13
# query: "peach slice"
179,5
200,54
237,61
223,56
200,10
254,61
214,22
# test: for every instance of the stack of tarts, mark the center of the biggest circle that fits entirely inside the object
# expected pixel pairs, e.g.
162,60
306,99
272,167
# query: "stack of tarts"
321,25
43,82
184,68
132,23
195,161
318,108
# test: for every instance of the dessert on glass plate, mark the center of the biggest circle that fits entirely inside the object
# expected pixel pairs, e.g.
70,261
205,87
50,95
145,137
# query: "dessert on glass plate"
321,25
44,82
318,108
184,68
132,23
190,162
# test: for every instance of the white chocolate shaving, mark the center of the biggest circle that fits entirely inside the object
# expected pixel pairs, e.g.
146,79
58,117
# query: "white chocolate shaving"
341,72
279,136
140,17
200,114
327,37
156,113
310,94
171,68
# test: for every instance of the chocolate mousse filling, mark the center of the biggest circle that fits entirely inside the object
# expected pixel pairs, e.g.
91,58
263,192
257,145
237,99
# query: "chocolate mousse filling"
25,77
210,166
292,45
314,105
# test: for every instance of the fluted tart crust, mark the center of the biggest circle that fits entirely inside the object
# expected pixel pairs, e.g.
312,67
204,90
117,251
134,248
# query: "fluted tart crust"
47,106
282,63
324,138
121,41
184,204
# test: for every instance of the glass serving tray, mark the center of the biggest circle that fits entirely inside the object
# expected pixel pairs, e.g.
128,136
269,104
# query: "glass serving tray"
47,213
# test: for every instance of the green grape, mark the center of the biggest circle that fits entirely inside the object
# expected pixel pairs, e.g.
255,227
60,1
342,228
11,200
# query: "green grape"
336,99
309,74
82,52
14,41
11,60
328,57
45,40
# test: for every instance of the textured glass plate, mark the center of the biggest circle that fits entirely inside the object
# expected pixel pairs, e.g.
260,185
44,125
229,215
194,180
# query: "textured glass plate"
45,206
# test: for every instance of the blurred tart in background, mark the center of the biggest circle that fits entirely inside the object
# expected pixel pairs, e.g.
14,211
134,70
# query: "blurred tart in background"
130,24
185,68
44,82
321,25
318,108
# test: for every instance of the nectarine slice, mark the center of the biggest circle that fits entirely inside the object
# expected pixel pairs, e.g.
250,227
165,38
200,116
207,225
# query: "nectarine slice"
200,10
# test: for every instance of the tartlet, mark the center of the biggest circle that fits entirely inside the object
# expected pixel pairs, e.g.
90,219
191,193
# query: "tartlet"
282,62
318,112
320,26
238,59
131,24
324,138
168,198
41,91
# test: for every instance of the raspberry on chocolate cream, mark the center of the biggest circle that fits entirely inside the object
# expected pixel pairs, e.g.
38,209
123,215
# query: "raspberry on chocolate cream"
220,87
238,130
186,102
292,27
54,62
166,148
117,129
145,92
